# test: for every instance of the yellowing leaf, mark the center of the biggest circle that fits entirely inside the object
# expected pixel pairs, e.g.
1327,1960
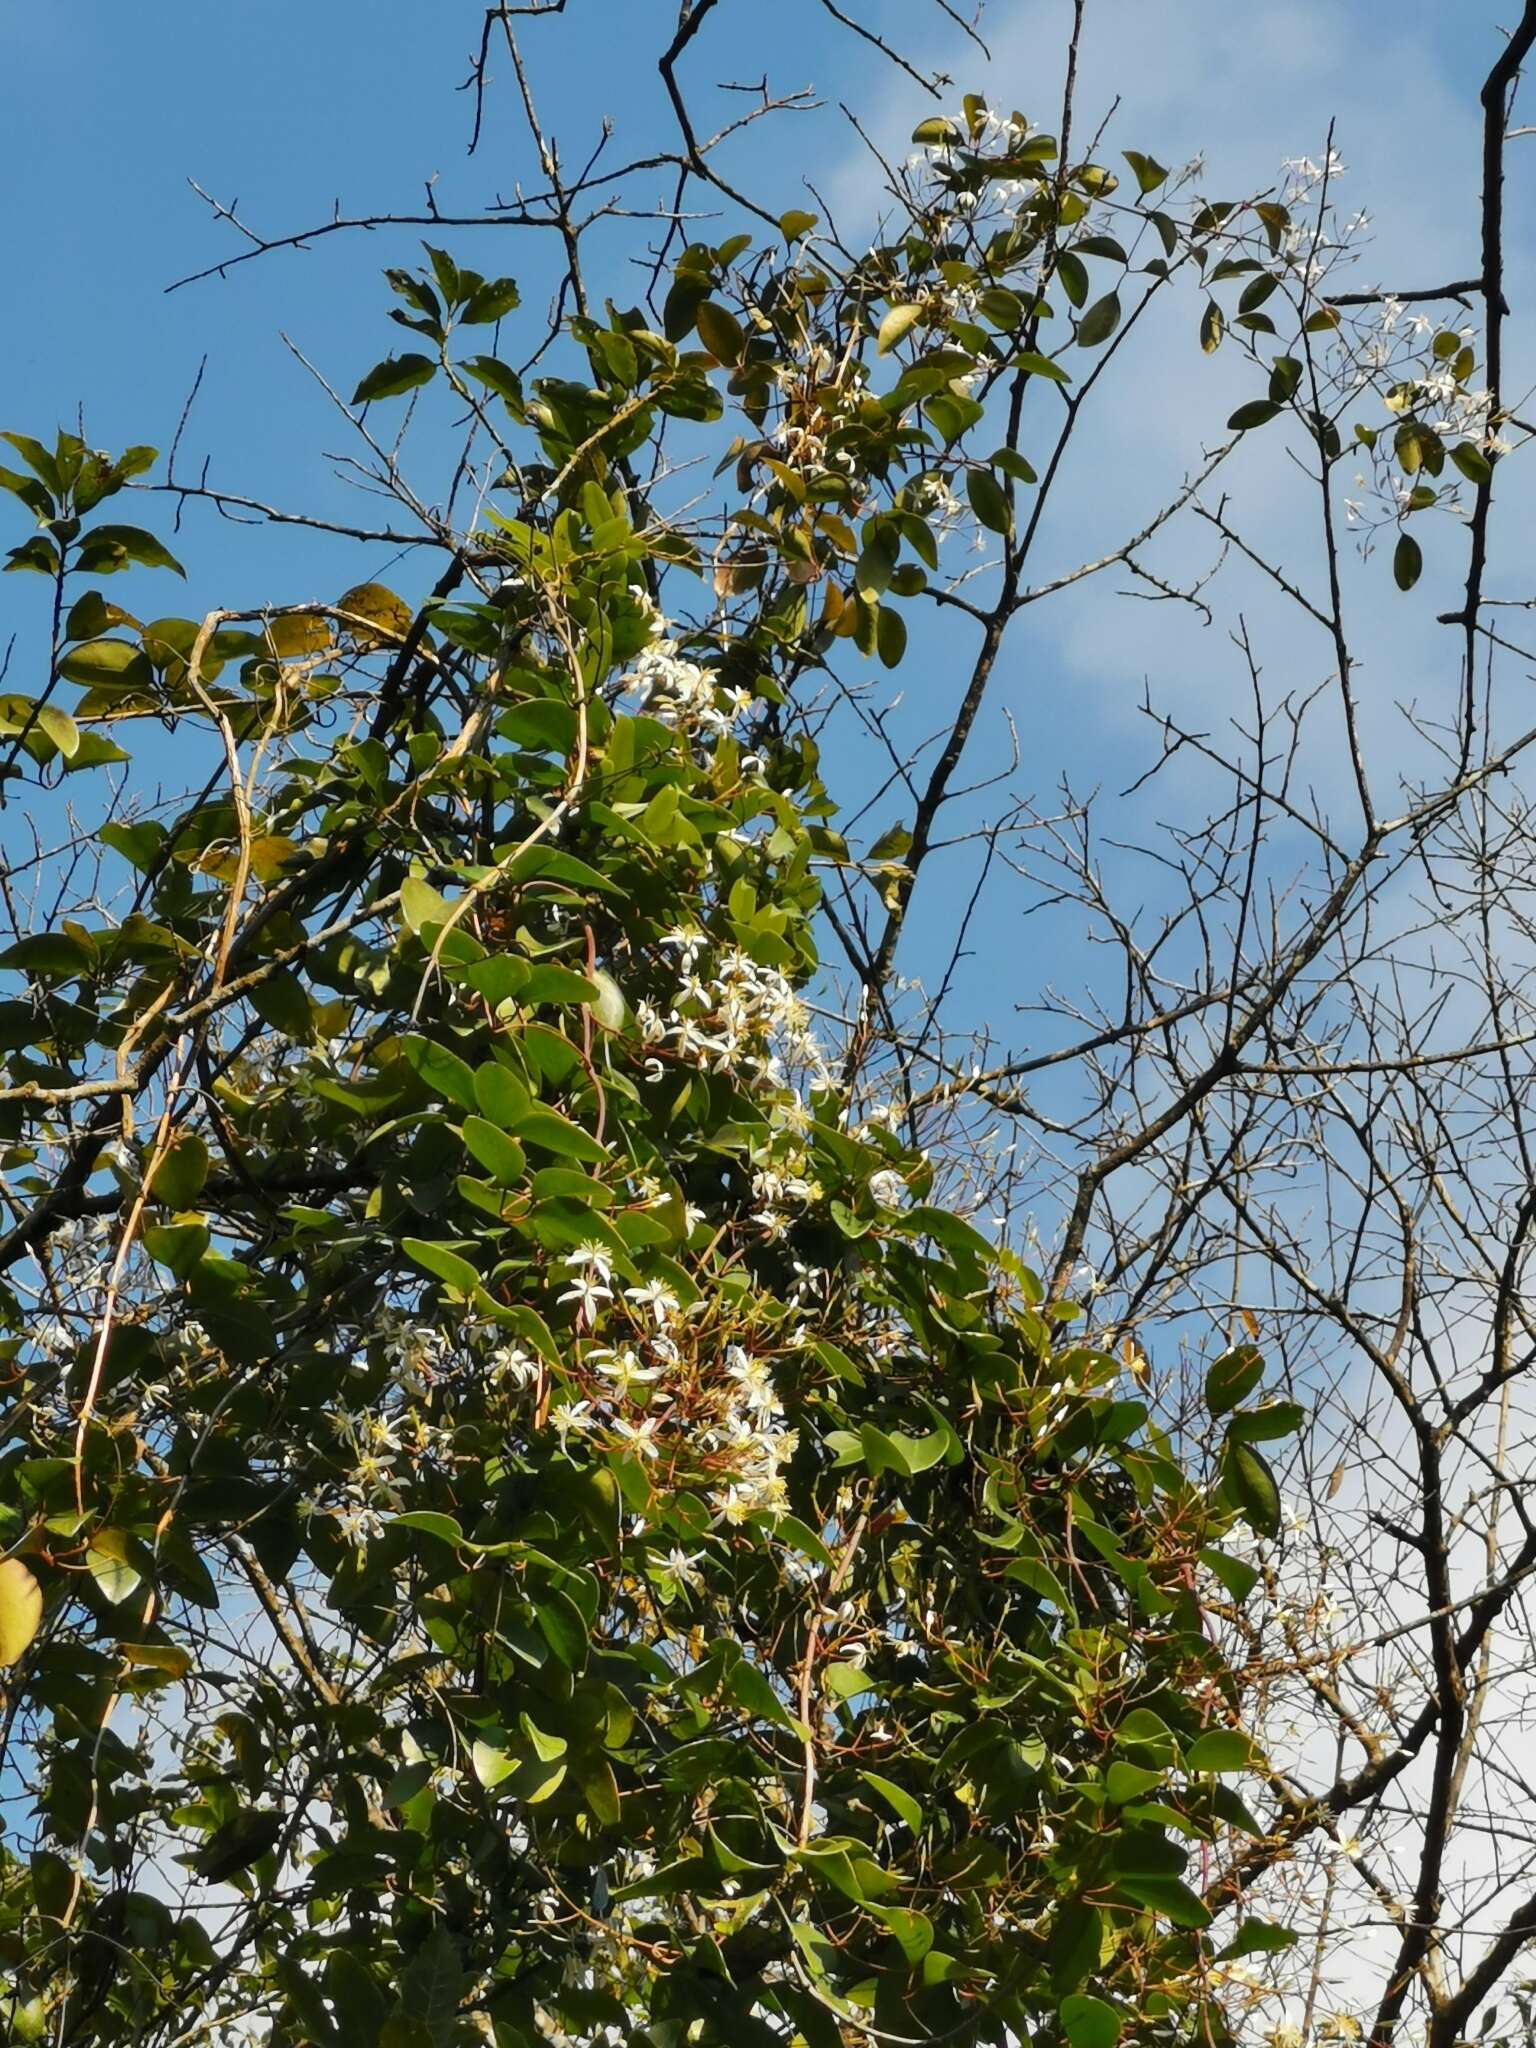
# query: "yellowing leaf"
720,333
376,617
109,1556
298,633
898,321
21,1609
168,1658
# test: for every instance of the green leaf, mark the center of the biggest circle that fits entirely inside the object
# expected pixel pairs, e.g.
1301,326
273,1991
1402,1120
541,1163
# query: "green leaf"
1250,1485
549,983
552,1132
1041,366
1233,1377
1124,1782
1089,2022
495,376
1262,1425
240,1842
1258,1938
1073,273
1011,463
490,301
432,1984
873,570
890,637
1169,1896
1235,1573
106,548
500,1095
1407,562
139,843
608,1007
32,494
396,374
989,501
913,1930
422,905
281,1001
37,459
902,1804
442,1264
1149,174
1003,308
108,665
882,1453
1076,1940
178,1246
1254,414
1100,321
442,1071
600,1788
430,1524
1212,327
94,751
561,1624
502,1157
754,1691
1220,1749
178,1177
61,729
1472,462
51,953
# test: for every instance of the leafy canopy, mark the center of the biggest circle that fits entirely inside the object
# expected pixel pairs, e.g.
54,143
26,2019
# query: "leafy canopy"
523,1512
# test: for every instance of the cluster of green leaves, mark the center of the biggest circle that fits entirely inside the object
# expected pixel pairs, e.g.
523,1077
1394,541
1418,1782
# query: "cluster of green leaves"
1315,370
504,1480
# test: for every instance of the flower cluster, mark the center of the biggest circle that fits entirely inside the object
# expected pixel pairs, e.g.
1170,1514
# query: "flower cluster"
658,1389
385,1445
729,1014
680,692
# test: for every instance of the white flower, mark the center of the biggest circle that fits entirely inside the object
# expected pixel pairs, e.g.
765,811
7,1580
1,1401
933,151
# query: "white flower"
571,1417
512,1362
751,1376
656,1296
360,1524
588,1294
594,1256
689,944
684,1568
623,1368
639,1436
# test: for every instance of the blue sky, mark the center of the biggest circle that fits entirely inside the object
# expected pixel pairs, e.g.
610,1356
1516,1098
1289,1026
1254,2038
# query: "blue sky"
291,107
288,106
